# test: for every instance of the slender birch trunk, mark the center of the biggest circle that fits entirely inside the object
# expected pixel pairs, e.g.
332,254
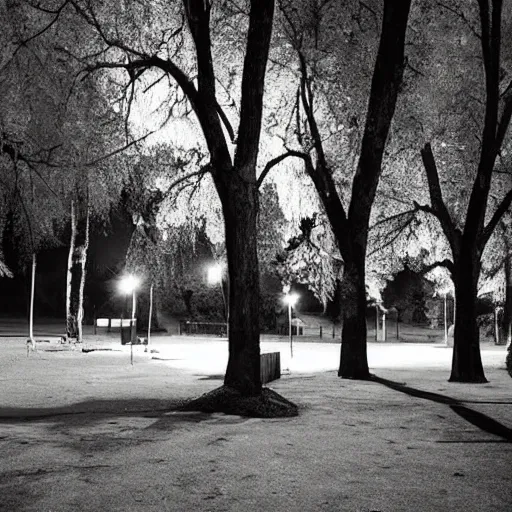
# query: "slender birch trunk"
32,293
79,245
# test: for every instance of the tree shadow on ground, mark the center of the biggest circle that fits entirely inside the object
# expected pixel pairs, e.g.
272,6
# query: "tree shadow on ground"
167,414
478,419
89,410
211,377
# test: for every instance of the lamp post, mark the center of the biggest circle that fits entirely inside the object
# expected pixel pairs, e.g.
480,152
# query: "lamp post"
215,273
290,299
129,284
149,317
445,310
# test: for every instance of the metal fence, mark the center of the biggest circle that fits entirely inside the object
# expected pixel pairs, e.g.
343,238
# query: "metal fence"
210,328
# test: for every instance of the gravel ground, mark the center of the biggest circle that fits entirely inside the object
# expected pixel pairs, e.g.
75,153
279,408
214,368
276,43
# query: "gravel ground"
91,432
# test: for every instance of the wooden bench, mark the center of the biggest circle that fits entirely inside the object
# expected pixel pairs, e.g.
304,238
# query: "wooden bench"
122,325
111,324
270,366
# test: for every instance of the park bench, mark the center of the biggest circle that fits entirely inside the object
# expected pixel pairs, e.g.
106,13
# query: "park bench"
118,325
270,366
110,324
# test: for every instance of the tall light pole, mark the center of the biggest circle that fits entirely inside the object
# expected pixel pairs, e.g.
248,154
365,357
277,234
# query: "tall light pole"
290,299
215,273
149,317
129,284
445,321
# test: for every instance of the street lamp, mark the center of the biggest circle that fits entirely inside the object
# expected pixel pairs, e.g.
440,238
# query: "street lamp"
215,273
129,284
290,299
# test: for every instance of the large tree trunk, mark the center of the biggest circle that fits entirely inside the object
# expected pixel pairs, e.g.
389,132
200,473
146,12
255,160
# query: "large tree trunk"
467,361
240,206
354,361
76,268
506,319
386,82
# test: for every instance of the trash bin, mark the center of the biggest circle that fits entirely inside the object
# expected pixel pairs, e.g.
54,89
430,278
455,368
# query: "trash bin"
129,331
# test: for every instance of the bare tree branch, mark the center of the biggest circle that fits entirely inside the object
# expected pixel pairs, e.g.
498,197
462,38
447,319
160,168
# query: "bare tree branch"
462,16
504,121
226,123
438,207
307,104
397,216
255,63
201,172
498,214
16,156
57,12
395,233
448,264
96,161
278,159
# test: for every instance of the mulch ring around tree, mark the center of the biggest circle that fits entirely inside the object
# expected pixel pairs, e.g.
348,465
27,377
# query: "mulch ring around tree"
229,401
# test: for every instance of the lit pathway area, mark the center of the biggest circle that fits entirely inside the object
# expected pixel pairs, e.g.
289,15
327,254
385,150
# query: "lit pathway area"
89,431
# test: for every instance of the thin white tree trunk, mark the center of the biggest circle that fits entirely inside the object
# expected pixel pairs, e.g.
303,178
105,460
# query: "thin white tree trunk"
79,244
445,322
32,290
70,265
150,315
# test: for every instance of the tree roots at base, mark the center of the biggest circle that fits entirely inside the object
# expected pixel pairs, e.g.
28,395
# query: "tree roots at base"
229,401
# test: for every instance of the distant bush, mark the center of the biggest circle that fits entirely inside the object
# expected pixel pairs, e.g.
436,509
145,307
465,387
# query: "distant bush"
268,301
486,324
509,360
433,311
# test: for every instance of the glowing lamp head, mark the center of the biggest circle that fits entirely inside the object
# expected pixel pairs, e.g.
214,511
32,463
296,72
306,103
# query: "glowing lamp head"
291,298
128,284
215,274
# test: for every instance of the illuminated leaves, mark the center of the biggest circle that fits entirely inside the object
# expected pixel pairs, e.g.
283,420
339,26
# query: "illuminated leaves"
306,260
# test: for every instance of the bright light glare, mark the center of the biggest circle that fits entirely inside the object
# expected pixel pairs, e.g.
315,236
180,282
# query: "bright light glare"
128,284
291,298
215,274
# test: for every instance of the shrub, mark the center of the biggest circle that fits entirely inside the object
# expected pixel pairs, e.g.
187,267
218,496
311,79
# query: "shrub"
486,324
509,360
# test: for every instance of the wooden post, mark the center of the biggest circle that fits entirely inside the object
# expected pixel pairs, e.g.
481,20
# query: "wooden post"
383,326
376,322
496,328
149,319
320,331
445,322
32,290
290,327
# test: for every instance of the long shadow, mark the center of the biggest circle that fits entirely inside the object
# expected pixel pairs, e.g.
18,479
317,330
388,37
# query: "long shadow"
90,411
478,419
483,421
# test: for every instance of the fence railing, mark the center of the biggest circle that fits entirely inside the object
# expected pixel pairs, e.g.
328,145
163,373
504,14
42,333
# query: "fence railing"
310,330
210,328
